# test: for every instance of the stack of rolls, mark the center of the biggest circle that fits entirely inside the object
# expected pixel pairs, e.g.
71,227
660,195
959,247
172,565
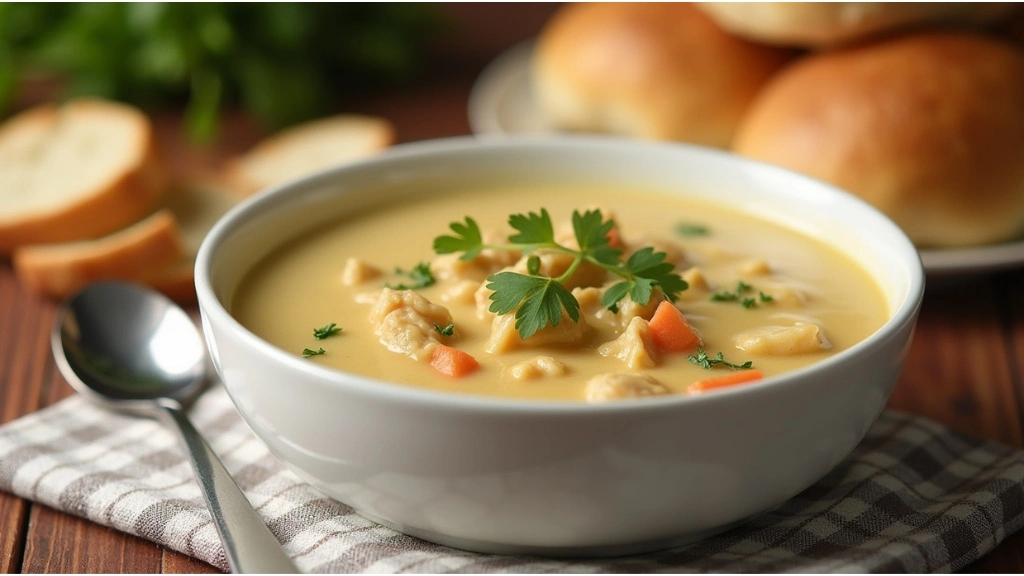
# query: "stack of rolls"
916,108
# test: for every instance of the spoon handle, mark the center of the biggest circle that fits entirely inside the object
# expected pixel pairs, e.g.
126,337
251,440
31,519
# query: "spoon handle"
249,545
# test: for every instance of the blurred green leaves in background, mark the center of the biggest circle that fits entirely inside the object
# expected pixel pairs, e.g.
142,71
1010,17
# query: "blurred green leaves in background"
282,62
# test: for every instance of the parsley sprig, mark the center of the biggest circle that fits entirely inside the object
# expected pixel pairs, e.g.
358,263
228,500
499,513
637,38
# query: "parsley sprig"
540,301
326,332
704,361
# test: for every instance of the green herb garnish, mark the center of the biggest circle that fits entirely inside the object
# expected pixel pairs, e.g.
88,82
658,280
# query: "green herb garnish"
420,277
306,352
701,359
326,332
738,296
446,331
692,229
540,301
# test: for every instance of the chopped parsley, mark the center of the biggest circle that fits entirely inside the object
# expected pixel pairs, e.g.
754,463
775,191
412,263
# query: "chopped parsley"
540,301
446,331
740,294
692,229
326,332
419,277
704,361
306,352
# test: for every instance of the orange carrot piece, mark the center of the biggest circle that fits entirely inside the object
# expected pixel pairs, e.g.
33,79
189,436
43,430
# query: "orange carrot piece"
731,379
670,332
614,240
452,361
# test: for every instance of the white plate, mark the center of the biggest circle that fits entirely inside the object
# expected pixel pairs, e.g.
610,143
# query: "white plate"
501,103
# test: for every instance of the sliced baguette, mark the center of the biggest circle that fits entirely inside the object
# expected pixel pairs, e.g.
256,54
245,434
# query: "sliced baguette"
77,171
308,148
60,270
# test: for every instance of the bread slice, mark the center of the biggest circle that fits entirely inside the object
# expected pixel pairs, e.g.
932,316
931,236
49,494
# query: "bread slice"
308,148
77,171
60,270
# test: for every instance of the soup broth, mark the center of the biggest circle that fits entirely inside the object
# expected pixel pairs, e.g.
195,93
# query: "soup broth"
758,293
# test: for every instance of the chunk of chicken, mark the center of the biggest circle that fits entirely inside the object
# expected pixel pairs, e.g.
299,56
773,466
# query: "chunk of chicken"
628,309
538,367
754,267
619,385
357,271
783,295
462,292
633,346
405,322
800,338
505,337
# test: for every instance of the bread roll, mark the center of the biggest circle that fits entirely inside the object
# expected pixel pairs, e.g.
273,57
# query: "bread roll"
820,24
656,71
78,171
307,148
928,127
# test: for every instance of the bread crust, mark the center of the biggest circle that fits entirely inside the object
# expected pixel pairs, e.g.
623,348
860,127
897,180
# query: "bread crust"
60,270
128,193
927,127
650,70
307,148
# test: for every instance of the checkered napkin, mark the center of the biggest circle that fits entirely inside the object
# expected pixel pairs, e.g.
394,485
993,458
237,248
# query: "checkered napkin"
913,497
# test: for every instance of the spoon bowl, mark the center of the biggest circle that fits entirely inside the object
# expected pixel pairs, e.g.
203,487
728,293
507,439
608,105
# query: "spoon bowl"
131,348
127,347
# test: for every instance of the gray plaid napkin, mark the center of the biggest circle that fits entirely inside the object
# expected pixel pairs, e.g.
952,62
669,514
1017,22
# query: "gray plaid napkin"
913,497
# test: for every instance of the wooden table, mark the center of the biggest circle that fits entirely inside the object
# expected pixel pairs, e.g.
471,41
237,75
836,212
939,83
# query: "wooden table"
965,370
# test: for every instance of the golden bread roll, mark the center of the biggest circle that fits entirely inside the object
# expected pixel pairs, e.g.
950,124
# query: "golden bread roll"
820,24
928,127
656,71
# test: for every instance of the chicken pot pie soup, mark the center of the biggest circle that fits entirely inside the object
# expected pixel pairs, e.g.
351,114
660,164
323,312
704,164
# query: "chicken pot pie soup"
576,294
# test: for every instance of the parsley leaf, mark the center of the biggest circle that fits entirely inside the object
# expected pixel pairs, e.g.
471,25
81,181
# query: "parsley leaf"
420,277
533,228
701,359
468,239
326,332
537,300
446,331
306,352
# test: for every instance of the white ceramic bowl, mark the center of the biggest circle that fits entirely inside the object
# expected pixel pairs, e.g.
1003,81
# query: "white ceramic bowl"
554,478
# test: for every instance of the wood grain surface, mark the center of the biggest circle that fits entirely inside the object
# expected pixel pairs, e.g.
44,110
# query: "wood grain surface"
965,369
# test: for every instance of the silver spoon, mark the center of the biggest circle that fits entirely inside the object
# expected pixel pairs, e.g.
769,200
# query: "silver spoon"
133,349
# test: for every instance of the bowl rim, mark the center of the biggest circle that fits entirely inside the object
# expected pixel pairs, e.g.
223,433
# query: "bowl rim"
210,305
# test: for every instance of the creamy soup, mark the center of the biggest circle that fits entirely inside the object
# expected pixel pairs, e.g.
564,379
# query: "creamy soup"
370,295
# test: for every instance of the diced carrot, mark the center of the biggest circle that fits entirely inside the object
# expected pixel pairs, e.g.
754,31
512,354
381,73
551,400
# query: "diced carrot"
452,361
670,332
614,240
730,379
